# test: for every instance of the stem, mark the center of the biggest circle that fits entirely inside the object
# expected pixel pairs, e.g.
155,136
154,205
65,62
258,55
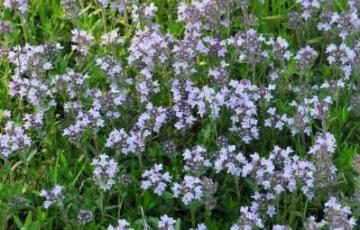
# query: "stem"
305,210
253,72
65,216
140,159
126,19
7,164
24,28
103,13
102,211
146,226
228,17
236,179
193,216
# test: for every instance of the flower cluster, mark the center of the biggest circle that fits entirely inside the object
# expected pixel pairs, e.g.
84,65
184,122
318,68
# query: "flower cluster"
122,225
166,223
154,179
105,170
322,152
193,189
196,159
53,196
336,217
14,139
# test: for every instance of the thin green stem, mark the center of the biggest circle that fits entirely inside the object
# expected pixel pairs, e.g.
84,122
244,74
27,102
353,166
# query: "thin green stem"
102,210
193,216
24,28
103,14
236,179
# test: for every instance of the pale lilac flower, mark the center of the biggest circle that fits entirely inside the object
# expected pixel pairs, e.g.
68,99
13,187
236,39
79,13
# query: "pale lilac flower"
328,20
122,225
348,24
340,55
105,170
73,132
280,48
305,57
338,216
229,160
193,189
111,38
14,139
155,179
250,46
5,28
166,223
300,122
295,21
249,219
20,5
33,121
200,226
53,196
241,99
322,151
275,120
81,40
281,227
124,142
195,159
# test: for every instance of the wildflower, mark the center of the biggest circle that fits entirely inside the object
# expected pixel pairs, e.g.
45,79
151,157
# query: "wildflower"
20,5
196,159
166,223
125,180
14,139
320,109
5,28
241,100
230,161
111,66
155,179
200,226
328,19
249,219
295,22
105,169
193,189
322,151
90,119
69,7
338,216
85,216
111,38
53,196
122,225
276,121
251,48
124,142
305,58
82,40
280,48
152,120
348,24
281,227
340,55
300,122
33,121
73,132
